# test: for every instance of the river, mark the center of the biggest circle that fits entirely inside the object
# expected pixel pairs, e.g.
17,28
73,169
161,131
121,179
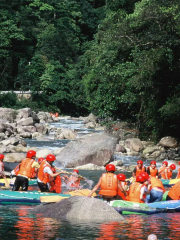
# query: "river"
17,223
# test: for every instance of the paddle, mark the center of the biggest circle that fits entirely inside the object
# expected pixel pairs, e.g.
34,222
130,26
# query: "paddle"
79,176
6,183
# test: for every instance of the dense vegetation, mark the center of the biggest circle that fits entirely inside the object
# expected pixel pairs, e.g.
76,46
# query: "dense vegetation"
118,59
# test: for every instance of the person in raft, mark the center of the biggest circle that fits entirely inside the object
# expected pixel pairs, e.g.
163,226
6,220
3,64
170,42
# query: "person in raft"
167,173
178,173
73,182
26,170
174,192
108,184
152,169
161,171
122,186
2,174
45,172
139,189
139,168
156,189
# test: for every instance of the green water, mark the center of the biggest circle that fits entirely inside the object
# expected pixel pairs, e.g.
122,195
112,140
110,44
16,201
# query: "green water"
17,223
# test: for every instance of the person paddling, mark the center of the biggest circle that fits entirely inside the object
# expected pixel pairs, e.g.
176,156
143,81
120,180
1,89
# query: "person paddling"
25,171
138,190
156,190
45,172
108,184
139,168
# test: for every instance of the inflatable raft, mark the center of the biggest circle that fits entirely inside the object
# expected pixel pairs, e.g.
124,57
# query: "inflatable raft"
32,182
169,183
8,197
126,207
29,197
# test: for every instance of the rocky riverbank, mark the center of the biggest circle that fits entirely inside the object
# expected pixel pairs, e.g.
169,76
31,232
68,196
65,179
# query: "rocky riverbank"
91,151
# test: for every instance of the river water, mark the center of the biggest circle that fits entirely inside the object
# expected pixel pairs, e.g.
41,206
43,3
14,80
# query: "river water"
17,223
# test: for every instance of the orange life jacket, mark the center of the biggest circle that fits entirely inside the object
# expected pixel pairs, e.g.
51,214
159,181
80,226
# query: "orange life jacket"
155,182
134,192
138,170
153,172
109,185
169,173
55,186
162,172
120,193
16,170
174,192
25,168
178,174
44,177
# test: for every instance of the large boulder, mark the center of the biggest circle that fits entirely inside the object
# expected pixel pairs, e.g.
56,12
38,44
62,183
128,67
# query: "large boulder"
168,142
14,157
79,208
134,144
97,148
26,122
43,153
7,115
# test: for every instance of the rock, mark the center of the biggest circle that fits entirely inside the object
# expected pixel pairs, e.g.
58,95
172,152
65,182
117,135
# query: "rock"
90,125
23,113
26,135
134,144
45,117
155,154
36,135
57,151
169,142
150,150
7,115
43,153
79,208
30,129
14,141
120,148
68,133
23,143
91,118
90,166
26,122
6,142
2,128
2,136
117,163
41,128
97,148
14,157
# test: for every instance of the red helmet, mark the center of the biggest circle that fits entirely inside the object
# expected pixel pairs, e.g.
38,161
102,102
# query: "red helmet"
165,162
121,177
145,175
153,162
140,162
1,156
50,158
76,170
30,154
40,160
110,167
140,178
173,166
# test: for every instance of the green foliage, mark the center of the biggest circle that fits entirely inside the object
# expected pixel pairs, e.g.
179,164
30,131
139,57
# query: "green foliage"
8,100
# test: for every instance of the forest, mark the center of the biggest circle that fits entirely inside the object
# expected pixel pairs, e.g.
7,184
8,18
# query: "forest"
119,59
